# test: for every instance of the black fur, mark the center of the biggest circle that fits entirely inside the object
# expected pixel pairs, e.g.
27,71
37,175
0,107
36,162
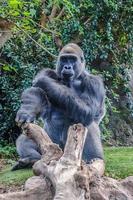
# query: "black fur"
62,102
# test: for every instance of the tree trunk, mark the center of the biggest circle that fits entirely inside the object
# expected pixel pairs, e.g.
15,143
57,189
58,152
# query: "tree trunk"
5,31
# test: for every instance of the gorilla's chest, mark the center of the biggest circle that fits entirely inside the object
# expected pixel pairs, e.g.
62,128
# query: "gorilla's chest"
56,125
76,87
58,121
58,117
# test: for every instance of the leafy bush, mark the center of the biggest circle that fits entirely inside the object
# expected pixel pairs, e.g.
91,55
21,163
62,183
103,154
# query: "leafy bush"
103,29
7,150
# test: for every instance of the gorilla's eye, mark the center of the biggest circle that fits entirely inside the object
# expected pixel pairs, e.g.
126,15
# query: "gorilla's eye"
73,59
69,58
63,59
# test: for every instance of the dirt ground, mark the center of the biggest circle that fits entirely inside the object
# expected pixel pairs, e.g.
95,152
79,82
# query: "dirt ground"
12,188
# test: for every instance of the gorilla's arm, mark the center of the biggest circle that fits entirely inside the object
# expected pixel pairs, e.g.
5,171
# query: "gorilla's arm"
81,110
33,101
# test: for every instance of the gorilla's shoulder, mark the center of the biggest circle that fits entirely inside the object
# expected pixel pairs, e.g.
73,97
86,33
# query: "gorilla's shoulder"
91,78
93,83
96,78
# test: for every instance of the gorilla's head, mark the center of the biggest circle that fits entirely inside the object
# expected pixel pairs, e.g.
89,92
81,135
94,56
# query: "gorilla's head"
71,62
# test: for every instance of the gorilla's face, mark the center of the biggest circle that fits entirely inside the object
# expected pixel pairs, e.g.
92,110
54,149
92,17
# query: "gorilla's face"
70,63
69,67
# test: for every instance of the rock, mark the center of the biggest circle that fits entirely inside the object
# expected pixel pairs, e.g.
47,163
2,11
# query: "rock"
127,183
111,189
34,182
122,132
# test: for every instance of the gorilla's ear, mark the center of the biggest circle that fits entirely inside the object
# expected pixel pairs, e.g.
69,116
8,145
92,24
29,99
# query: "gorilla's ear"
82,59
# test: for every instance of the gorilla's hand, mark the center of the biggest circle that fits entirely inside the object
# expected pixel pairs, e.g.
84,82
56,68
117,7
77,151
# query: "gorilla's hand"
23,117
33,104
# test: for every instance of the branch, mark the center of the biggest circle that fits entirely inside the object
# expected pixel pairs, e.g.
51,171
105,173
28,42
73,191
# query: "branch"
61,13
53,13
75,143
43,19
49,150
37,42
4,37
46,29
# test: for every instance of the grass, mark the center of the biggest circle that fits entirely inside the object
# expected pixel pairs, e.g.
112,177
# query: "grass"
8,177
119,164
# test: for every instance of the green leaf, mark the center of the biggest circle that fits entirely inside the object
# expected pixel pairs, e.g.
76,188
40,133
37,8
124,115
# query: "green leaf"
14,3
26,13
32,12
6,68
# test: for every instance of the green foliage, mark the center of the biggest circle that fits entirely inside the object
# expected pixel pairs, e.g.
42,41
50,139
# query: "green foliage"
7,150
102,28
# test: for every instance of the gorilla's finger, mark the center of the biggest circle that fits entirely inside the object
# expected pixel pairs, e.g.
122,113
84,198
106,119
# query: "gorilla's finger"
19,117
22,120
18,121
30,119
19,124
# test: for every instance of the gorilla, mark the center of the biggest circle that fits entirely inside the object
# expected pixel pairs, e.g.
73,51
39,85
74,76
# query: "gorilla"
63,97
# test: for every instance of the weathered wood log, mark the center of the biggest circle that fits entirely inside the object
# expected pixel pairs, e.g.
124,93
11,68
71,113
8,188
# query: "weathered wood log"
50,150
62,173
104,188
36,188
63,176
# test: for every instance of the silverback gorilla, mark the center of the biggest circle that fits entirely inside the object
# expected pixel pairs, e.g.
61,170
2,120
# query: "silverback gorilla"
62,97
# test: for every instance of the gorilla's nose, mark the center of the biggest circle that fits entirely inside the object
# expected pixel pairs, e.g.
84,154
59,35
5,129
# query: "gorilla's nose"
67,67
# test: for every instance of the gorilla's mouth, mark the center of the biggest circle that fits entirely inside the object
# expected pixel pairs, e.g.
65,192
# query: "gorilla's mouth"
67,76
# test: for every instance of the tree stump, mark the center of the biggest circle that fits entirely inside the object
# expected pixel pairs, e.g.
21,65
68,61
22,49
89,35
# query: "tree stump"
64,176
